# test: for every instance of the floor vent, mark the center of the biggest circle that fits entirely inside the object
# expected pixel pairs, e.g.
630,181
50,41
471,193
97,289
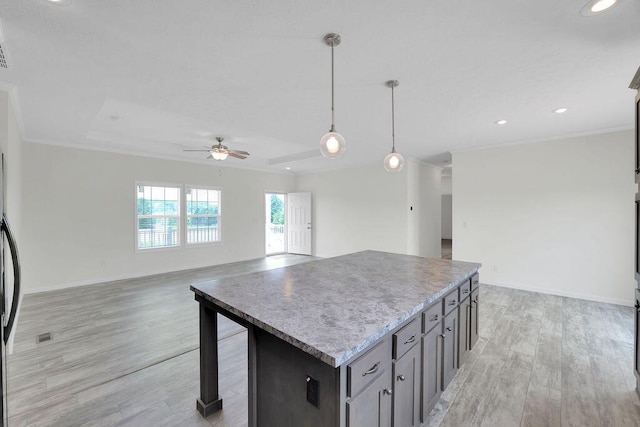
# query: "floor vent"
44,337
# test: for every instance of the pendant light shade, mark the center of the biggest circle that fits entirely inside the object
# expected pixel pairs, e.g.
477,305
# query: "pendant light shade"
393,162
332,144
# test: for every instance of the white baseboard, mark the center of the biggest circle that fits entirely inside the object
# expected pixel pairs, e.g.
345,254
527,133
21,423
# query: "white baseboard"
60,286
67,285
629,303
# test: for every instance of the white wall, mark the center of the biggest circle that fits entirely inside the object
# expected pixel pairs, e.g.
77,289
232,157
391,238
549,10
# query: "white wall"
357,209
447,216
369,208
555,217
446,184
79,216
12,148
430,211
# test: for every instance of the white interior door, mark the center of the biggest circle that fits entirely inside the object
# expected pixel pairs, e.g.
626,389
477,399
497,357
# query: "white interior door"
299,223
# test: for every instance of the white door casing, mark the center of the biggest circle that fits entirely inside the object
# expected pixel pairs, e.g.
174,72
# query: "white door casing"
299,223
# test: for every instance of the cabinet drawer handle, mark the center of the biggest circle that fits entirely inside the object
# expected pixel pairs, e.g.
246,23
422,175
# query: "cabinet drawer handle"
373,369
466,291
449,329
410,340
452,302
387,391
401,377
434,318
443,335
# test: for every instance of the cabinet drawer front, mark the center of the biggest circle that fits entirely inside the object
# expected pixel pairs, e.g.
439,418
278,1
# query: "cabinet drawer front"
367,367
475,281
432,316
465,290
406,338
450,301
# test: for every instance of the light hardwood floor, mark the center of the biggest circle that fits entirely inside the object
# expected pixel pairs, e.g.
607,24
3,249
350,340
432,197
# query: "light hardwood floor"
125,353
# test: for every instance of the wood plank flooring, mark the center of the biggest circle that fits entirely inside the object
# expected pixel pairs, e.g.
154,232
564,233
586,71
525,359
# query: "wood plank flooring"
125,354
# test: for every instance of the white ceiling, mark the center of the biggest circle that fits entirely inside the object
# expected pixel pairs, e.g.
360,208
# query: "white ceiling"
153,77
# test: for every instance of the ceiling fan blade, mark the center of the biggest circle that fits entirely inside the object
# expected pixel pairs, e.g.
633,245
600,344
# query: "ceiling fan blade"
236,155
209,156
196,150
242,153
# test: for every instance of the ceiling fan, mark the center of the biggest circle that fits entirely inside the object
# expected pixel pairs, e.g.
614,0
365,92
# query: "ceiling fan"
221,152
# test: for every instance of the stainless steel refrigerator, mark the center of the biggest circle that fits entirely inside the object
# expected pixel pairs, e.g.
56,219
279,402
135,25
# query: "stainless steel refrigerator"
9,289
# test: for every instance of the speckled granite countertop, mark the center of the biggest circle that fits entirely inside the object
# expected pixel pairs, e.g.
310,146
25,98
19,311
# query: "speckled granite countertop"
334,308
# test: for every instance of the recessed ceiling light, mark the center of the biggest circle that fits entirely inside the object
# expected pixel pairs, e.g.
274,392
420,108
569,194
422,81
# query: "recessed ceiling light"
501,122
596,6
288,168
560,110
58,2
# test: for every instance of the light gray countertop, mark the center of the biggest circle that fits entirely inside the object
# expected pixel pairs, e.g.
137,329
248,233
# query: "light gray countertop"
334,308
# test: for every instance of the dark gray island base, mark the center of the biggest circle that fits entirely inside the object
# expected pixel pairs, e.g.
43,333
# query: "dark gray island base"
366,339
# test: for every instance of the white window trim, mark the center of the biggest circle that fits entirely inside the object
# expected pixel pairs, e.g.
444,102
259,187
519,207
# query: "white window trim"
136,216
286,224
182,218
186,216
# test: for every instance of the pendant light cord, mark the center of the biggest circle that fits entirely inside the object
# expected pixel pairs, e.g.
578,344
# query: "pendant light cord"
393,123
333,116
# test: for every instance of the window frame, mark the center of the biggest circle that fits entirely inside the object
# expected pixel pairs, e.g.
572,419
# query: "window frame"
188,187
178,217
182,217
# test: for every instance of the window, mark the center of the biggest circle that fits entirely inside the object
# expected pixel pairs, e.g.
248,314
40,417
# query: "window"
203,215
158,216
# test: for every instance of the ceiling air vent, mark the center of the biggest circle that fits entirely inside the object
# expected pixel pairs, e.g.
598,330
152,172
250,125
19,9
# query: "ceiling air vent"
4,55
4,60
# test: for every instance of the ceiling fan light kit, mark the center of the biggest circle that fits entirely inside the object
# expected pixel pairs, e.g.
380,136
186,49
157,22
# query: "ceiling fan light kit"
332,144
393,162
221,152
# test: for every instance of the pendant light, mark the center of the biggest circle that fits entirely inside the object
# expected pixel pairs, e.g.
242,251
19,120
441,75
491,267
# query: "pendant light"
332,144
393,162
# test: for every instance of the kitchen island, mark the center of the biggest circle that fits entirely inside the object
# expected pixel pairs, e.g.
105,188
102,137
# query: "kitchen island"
325,336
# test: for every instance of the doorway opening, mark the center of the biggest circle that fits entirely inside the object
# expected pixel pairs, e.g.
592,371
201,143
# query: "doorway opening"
275,233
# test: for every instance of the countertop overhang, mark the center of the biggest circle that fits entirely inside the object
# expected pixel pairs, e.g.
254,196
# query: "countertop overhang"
334,308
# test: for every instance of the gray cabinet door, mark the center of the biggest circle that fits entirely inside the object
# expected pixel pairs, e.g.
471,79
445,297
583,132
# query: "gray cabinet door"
372,407
449,348
406,389
431,366
464,337
473,321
